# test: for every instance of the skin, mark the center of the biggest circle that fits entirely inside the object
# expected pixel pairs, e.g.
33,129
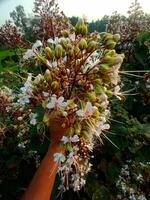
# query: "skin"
43,181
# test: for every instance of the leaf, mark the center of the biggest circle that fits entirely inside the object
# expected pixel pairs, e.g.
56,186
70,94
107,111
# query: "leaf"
13,162
146,130
101,194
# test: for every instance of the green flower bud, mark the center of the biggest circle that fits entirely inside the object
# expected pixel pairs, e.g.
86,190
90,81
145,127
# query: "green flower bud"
116,37
91,46
84,30
63,42
111,52
70,103
113,60
49,53
77,128
102,34
91,96
70,131
98,81
70,52
104,68
69,147
65,33
107,36
110,44
58,51
85,135
96,114
55,85
83,44
46,119
48,76
98,89
77,52
81,28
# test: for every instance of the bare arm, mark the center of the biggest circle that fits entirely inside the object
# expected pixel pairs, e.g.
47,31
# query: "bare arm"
43,181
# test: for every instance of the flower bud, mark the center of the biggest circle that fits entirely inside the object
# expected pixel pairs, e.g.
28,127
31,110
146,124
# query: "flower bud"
46,119
77,128
20,118
65,33
116,37
84,30
85,135
48,76
63,42
104,68
58,51
55,85
98,89
111,52
91,96
96,113
49,53
70,131
83,44
113,60
107,36
110,44
102,34
91,46
77,52
81,28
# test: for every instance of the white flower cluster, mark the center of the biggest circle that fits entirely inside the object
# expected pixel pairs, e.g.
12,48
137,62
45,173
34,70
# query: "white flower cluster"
26,91
126,189
72,165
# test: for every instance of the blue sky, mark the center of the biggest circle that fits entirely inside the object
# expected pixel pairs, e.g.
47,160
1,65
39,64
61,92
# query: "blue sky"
92,9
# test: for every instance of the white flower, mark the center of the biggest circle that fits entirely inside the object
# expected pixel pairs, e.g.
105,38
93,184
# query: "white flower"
72,36
75,138
33,118
56,103
132,197
48,64
21,145
55,41
117,92
54,64
38,78
37,44
45,94
65,139
59,157
142,197
105,127
28,54
87,112
27,86
23,99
